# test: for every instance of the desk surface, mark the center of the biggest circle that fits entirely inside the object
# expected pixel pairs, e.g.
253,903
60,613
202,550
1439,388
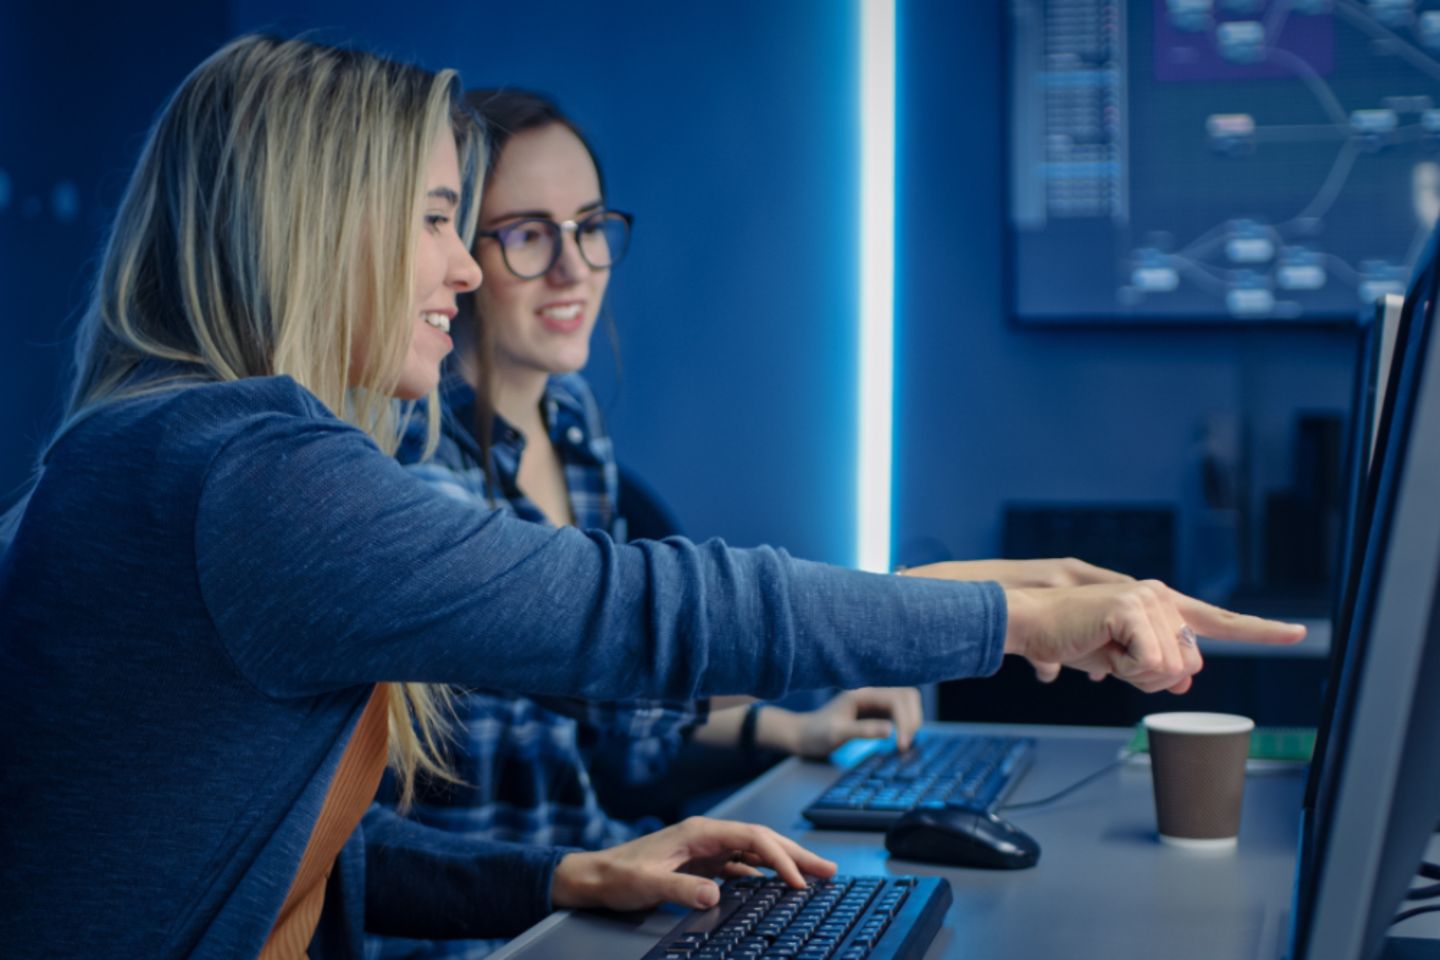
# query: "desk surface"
1105,886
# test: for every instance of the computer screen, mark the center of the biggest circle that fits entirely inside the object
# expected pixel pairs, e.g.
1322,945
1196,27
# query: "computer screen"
1226,161
1375,786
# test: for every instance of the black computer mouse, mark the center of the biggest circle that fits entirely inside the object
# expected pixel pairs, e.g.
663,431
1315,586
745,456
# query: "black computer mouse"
962,837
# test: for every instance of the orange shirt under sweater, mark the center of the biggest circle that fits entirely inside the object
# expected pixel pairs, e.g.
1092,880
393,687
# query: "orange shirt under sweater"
349,796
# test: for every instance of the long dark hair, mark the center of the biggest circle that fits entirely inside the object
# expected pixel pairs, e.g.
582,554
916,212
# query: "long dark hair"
504,113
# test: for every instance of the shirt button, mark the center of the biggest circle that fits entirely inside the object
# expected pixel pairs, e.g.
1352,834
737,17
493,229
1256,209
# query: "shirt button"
574,435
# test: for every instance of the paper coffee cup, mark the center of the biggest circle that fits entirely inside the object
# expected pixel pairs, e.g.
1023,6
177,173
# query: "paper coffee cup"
1197,762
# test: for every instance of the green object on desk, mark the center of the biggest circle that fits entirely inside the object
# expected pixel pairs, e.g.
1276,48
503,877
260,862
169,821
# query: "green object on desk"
1281,744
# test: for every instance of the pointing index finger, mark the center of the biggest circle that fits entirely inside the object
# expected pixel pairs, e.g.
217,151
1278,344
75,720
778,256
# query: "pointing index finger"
1220,624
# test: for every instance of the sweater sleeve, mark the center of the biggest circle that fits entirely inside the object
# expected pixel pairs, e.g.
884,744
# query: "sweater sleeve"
432,884
324,564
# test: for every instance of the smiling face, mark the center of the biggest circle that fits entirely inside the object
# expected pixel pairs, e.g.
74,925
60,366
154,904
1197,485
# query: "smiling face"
542,325
443,269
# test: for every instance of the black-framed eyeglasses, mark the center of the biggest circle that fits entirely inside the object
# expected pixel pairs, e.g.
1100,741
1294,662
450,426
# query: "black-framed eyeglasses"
530,247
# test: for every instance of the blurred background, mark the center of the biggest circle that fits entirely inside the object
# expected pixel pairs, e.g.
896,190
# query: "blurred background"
1136,242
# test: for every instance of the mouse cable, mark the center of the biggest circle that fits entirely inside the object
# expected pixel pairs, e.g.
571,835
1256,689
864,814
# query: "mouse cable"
1430,871
1415,912
1424,893
1061,794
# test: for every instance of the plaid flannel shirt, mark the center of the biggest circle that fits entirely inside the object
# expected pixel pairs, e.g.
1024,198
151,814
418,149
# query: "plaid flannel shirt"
522,761
509,730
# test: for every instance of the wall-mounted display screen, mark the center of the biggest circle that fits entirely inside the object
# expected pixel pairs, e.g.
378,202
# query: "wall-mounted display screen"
1224,161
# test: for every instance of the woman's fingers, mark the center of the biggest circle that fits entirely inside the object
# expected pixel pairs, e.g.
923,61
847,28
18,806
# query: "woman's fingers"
1139,655
773,854
1221,624
1186,643
903,706
1184,653
900,704
677,864
1046,672
1171,667
876,730
788,859
697,893
807,860
734,869
1081,573
1161,648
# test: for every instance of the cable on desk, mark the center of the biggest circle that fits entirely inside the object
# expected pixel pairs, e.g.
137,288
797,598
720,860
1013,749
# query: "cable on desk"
1061,794
1430,871
1415,912
1424,893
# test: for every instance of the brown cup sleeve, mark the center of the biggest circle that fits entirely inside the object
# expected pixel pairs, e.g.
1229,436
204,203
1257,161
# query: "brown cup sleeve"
1199,783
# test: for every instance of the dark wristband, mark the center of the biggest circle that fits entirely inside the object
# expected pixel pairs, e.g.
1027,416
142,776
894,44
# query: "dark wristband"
747,729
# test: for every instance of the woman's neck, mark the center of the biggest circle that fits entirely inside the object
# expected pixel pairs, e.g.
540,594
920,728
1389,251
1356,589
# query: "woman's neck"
517,396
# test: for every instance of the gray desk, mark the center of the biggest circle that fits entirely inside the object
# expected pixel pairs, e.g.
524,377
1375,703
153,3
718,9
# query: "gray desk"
1105,887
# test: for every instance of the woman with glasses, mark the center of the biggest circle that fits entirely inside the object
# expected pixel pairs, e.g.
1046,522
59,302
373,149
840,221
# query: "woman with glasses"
522,431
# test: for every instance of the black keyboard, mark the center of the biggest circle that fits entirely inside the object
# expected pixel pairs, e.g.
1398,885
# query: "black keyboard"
843,918
936,772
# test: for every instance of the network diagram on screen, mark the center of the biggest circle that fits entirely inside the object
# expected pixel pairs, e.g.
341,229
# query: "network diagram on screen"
1219,160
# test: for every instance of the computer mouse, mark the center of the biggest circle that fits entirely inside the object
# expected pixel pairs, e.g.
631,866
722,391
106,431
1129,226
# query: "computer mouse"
961,837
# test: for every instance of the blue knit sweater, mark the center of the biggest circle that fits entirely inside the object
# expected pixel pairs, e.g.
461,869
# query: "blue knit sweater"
201,592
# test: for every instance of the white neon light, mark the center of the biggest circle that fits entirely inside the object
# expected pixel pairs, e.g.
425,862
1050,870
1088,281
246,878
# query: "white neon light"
877,282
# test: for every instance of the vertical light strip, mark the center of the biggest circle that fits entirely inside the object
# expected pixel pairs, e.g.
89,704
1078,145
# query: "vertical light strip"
877,282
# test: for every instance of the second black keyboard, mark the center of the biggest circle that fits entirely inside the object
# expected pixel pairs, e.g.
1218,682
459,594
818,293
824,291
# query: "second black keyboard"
843,918
937,771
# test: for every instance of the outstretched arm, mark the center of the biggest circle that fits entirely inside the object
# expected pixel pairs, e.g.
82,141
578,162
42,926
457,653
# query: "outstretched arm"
324,564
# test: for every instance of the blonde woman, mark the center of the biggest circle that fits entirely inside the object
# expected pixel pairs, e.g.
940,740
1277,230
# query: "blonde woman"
222,602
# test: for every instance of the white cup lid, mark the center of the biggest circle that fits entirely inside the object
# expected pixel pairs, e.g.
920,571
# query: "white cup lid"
1195,722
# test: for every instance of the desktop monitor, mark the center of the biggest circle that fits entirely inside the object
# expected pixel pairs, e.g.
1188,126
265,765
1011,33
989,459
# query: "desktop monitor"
1375,784
1368,408
1218,161
1383,353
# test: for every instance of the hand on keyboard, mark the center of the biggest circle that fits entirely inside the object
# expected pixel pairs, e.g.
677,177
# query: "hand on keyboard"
868,712
676,865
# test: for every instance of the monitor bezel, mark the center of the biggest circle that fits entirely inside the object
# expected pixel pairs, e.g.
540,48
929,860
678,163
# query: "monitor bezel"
1380,358
1374,809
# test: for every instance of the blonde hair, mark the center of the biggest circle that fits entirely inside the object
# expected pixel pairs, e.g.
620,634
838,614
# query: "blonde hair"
267,229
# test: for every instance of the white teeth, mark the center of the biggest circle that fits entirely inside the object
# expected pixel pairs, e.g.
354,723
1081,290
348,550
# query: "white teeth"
437,320
568,312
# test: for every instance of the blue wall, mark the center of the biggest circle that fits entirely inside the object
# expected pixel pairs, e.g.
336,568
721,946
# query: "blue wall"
79,84
730,133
